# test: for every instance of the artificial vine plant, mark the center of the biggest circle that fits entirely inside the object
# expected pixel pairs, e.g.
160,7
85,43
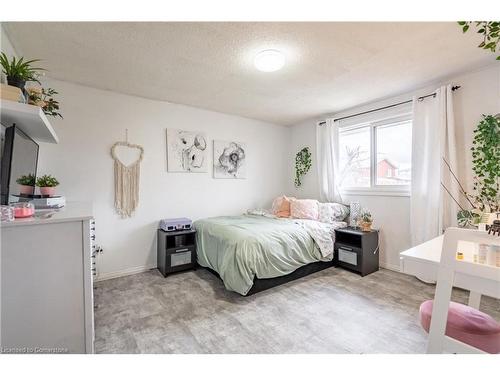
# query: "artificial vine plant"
302,164
490,31
486,164
486,167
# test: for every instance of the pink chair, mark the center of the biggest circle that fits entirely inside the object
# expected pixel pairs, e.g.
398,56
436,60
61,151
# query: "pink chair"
454,327
468,325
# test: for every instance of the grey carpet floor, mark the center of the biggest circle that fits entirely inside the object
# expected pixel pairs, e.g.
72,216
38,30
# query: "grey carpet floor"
332,311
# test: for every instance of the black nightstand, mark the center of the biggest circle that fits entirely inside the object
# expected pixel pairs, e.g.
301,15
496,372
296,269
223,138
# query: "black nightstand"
356,250
176,251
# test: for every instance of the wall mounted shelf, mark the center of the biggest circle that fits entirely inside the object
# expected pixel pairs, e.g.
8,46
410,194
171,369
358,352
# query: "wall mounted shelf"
29,118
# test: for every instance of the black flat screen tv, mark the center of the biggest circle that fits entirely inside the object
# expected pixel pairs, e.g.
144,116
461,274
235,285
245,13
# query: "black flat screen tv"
20,158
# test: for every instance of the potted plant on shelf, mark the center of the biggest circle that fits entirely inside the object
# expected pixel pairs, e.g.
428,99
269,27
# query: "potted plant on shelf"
18,71
43,98
26,184
365,221
47,184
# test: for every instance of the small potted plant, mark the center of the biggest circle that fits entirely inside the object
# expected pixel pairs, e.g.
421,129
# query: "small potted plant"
44,98
26,184
18,71
365,221
47,184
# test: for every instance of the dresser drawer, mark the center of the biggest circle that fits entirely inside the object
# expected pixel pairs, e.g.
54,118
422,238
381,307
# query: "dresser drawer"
180,257
348,256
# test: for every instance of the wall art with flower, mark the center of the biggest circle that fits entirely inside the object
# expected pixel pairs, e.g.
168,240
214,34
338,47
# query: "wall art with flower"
186,151
229,159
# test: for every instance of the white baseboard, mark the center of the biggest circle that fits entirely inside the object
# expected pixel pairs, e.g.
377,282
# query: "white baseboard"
134,270
125,272
388,266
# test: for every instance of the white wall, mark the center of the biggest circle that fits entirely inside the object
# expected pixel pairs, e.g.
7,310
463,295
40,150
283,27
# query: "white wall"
480,94
5,44
95,119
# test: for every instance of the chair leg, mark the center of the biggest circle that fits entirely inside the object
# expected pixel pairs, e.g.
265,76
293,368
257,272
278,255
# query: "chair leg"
439,315
474,299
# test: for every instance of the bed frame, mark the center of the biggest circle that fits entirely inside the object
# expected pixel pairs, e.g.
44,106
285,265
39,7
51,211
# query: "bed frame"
262,284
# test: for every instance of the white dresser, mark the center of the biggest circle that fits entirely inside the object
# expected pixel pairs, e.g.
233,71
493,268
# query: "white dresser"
46,282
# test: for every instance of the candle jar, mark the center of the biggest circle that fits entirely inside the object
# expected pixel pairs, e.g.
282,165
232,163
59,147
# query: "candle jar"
482,254
23,209
493,256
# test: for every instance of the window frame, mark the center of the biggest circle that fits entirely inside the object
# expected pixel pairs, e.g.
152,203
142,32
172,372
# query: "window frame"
374,188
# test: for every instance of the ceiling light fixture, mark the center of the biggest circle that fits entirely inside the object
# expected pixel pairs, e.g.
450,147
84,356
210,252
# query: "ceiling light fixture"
269,60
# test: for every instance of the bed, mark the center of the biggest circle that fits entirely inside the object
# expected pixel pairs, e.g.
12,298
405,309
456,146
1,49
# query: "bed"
251,253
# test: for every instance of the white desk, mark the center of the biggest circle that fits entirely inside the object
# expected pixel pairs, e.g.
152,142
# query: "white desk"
423,260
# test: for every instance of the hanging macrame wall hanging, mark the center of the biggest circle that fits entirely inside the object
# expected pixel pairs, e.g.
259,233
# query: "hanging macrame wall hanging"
126,180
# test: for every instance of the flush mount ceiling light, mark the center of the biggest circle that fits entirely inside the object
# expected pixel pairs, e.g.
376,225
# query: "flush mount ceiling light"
269,60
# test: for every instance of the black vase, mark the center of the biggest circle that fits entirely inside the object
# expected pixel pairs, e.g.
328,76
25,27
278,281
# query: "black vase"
17,82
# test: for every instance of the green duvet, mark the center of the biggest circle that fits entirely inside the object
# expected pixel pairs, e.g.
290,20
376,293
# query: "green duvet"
239,248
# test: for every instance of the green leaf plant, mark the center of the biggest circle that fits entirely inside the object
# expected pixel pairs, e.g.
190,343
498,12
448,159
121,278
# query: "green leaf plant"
486,164
44,98
19,69
27,180
302,165
490,30
47,181
485,196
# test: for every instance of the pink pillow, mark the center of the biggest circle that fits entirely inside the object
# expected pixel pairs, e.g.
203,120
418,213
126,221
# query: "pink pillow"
281,206
304,209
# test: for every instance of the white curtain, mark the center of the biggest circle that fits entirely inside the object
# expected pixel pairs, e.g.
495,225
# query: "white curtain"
327,137
432,208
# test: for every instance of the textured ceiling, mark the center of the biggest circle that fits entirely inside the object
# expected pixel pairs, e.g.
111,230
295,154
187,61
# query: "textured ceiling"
330,66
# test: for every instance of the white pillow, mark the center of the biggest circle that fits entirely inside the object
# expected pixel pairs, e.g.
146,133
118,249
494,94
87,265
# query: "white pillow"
331,212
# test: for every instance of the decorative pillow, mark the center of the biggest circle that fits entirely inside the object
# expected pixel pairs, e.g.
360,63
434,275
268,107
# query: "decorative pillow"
281,206
331,212
304,209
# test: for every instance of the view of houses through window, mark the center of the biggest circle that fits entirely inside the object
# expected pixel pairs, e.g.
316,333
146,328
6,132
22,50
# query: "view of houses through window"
375,154
393,148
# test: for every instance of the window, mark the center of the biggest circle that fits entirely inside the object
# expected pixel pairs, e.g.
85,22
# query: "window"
376,156
393,150
354,157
